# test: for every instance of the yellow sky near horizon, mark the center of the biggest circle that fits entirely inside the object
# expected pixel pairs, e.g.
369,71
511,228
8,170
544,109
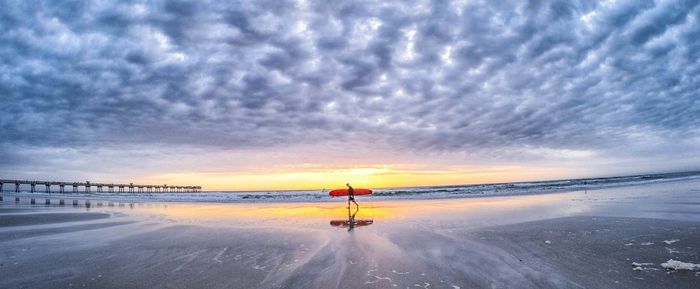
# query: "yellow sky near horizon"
380,176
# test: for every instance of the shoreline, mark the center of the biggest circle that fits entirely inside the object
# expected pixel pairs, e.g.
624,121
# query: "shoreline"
280,197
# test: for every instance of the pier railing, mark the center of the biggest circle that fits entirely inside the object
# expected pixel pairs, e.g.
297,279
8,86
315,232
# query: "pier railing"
99,187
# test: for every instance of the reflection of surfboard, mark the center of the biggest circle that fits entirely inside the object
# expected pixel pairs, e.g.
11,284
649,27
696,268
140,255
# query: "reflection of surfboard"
346,223
344,192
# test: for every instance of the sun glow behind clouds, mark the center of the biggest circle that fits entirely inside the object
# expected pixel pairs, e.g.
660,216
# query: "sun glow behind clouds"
380,176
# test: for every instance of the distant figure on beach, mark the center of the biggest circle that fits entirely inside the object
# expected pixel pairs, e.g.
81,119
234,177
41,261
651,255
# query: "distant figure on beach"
351,196
350,192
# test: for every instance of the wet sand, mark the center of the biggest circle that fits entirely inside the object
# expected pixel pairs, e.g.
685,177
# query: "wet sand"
613,238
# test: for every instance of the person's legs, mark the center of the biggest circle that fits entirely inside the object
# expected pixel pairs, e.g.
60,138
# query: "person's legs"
356,205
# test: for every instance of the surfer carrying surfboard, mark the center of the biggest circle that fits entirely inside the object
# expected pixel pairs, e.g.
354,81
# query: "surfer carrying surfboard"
351,196
351,193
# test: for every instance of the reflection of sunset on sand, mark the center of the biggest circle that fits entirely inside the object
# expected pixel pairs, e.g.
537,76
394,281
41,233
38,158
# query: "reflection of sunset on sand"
404,209
288,211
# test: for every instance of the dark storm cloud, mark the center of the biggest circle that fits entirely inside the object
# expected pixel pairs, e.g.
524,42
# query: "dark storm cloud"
421,75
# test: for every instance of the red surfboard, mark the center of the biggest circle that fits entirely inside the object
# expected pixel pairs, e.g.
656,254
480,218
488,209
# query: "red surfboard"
344,192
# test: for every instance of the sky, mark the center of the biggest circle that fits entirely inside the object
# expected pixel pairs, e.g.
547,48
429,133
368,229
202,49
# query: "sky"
255,95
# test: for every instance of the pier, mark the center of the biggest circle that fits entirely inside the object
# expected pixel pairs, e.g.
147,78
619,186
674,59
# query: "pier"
75,187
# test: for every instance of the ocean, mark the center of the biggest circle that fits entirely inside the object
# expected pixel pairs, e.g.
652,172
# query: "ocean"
424,192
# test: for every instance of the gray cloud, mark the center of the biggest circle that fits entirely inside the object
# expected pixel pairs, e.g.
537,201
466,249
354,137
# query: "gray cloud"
423,76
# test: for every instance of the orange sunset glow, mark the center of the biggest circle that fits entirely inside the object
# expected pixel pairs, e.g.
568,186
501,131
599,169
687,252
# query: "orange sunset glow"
372,177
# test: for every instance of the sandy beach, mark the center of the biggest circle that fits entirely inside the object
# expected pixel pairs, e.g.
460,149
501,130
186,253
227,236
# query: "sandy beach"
610,238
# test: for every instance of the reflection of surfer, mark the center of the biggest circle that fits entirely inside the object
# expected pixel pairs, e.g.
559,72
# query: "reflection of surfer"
351,196
351,222
351,218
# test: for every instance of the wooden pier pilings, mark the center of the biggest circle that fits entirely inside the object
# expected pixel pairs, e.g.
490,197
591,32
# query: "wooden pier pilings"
87,187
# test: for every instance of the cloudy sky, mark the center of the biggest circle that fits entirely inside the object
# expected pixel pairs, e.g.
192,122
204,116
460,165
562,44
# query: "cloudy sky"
307,94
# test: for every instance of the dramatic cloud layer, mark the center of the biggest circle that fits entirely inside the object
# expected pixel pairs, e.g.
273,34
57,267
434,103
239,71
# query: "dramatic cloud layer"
497,79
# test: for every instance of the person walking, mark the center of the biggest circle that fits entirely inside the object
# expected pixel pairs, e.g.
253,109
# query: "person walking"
351,196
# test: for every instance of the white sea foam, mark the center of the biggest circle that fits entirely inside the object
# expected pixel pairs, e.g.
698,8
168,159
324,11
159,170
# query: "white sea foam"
672,251
678,265
641,264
